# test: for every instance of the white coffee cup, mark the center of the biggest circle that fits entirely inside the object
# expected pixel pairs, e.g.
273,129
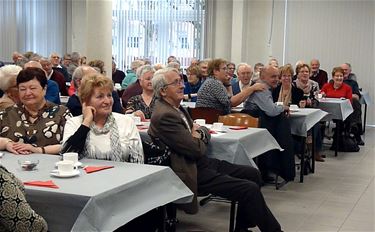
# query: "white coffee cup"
200,122
217,126
279,103
137,119
320,96
65,167
72,156
293,107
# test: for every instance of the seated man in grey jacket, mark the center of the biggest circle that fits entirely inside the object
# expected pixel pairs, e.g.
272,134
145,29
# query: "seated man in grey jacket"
172,125
275,119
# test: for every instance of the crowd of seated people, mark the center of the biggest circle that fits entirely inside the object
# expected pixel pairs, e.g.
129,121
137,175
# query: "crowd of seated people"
94,123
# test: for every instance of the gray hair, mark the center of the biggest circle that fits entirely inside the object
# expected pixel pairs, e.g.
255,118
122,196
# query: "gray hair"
75,56
173,64
144,69
159,80
136,64
8,74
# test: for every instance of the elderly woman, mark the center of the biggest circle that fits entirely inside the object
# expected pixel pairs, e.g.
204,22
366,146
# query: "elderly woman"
338,89
99,133
285,92
193,84
8,85
74,103
216,92
143,104
16,214
34,125
309,87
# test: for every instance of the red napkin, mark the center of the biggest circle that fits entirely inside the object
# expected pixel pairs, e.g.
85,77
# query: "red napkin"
238,128
142,127
212,132
47,184
91,169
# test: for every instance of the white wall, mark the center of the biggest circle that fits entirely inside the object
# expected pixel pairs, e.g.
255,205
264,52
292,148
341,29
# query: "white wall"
332,31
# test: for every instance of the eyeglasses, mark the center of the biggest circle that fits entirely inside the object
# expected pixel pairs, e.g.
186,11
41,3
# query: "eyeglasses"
175,83
231,68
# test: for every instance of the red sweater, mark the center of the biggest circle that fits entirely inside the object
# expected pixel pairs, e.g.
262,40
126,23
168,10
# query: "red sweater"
344,91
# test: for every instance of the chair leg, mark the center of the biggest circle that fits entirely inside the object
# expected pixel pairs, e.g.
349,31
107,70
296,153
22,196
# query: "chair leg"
232,216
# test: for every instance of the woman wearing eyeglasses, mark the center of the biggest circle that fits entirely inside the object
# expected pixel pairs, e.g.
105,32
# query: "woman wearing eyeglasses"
216,91
98,133
34,125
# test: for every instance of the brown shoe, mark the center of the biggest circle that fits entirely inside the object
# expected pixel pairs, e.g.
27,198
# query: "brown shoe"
318,158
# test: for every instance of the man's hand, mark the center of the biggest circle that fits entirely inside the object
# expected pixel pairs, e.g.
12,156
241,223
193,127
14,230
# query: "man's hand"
194,131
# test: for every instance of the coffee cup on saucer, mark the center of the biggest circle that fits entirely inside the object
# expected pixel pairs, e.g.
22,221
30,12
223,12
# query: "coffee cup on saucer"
72,156
293,107
65,167
200,122
217,126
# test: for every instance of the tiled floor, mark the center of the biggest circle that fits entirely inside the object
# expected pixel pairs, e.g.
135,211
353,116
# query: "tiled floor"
338,197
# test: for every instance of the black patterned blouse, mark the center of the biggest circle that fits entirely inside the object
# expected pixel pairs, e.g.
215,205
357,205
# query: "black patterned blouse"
15,213
46,130
213,94
136,103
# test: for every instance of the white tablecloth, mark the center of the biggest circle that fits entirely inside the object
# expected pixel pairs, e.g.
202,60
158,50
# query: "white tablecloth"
337,108
238,146
101,201
304,119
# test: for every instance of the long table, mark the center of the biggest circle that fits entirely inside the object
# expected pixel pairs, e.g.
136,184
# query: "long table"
237,146
100,201
301,122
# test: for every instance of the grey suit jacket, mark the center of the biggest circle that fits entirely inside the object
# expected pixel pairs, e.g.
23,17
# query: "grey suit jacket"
169,127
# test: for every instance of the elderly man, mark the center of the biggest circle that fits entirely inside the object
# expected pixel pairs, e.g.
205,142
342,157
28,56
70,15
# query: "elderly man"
75,60
356,117
56,66
274,118
52,93
53,75
173,127
74,104
318,74
216,92
244,73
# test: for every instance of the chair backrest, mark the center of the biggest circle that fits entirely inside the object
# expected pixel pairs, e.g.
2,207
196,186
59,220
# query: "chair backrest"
239,119
211,115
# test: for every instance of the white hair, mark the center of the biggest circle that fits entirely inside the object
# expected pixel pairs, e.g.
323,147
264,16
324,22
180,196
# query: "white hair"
8,75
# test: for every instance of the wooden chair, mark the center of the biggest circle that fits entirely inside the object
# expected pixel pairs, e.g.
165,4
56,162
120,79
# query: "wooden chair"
211,115
239,119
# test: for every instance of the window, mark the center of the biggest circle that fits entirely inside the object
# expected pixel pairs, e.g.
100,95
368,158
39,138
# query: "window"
156,29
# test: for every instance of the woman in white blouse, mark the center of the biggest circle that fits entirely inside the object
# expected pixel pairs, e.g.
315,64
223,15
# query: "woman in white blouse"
99,133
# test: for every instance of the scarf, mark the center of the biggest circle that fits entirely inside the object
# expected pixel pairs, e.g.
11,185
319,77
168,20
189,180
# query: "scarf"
286,99
306,88
110,126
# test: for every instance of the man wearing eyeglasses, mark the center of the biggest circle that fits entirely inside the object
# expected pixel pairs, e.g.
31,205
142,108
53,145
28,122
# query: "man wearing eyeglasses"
172,126
216,91
57,66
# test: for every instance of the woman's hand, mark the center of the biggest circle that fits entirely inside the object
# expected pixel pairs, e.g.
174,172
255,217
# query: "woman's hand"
23,148
302,104
88,113
258,87
140,114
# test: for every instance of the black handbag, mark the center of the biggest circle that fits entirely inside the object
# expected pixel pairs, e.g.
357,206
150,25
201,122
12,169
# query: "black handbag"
155,151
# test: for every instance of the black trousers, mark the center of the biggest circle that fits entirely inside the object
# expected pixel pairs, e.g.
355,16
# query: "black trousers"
281,162
240,183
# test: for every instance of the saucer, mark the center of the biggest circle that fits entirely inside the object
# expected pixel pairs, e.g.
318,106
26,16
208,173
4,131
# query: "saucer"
139,124
65,175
